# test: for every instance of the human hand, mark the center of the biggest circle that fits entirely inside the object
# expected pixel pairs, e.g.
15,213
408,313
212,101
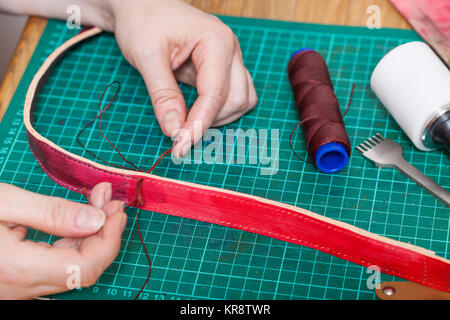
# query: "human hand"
170,40
92,237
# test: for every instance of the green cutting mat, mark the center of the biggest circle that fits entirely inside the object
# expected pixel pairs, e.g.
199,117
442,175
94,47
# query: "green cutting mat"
197,260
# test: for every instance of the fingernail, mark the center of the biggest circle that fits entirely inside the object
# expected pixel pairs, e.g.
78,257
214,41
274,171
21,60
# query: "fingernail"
108,193
124,221
112,207
181,149
182,145
90,219
185,148
171,122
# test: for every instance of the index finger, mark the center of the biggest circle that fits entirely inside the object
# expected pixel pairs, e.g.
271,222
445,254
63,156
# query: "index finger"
213,63
53,266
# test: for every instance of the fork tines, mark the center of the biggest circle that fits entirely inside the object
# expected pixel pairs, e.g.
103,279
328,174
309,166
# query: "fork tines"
370,143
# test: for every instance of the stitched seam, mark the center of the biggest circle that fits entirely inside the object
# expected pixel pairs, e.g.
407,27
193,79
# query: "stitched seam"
259,204
300,241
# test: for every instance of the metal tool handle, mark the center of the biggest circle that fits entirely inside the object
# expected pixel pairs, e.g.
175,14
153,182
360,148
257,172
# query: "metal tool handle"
423,181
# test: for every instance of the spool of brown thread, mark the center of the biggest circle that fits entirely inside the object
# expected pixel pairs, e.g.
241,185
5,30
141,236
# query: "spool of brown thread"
318,109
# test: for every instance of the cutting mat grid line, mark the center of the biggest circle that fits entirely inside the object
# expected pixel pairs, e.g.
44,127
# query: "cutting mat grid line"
197,260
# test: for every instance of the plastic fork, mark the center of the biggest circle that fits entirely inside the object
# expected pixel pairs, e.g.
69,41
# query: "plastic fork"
387,153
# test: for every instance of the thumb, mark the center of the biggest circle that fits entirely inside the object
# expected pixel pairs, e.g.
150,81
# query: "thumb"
52,215
167,99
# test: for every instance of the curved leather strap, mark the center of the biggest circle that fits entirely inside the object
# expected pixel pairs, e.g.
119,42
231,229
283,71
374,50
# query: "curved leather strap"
228,208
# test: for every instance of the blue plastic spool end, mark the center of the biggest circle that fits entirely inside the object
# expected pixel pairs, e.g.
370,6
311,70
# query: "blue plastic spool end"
331,157
300,50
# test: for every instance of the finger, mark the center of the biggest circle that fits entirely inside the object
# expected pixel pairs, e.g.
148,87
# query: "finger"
105,246
100,194
186,73
109,208
241,97
43,244
9,224
50,266
252,96
212,60
73,243
19,232
252,101
237,100
112,207
167,99
39,291
49,214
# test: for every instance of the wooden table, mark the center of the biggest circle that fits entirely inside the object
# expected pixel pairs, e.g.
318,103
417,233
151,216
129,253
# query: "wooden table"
343,12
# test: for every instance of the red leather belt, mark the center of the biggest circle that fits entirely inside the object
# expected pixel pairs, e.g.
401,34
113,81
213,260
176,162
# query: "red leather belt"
228,208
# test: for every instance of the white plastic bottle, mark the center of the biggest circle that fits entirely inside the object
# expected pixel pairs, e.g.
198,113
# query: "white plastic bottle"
414,86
